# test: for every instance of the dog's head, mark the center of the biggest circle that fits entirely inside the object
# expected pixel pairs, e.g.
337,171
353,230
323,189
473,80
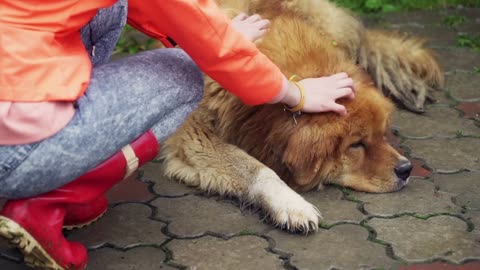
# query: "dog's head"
350,151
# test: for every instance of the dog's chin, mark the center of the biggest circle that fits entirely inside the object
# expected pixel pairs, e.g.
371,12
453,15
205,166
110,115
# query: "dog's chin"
400,184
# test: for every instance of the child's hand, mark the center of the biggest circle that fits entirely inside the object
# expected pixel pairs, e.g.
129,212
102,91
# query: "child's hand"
321,93
252,27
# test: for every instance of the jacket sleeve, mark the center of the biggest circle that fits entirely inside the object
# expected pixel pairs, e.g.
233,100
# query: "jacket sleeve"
206,34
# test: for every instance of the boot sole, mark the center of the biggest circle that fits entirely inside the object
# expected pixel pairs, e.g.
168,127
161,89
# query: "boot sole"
35,256
79,226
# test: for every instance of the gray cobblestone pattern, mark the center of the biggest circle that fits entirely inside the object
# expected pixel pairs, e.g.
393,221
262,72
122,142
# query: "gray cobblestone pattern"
155,223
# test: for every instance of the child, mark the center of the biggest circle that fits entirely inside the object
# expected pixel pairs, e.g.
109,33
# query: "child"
73,125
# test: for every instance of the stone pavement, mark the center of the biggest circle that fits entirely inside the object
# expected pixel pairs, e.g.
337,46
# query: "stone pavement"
434,223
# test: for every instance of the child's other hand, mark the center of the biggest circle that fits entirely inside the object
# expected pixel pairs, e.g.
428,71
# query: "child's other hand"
252,27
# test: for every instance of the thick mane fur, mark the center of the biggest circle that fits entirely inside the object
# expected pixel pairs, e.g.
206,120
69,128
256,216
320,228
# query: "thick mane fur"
309,54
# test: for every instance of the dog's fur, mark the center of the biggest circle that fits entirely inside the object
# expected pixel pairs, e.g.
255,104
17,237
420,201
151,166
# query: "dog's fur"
251,152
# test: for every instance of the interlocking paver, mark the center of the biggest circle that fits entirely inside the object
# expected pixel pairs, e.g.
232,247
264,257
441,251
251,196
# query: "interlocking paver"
474,217
162,185
195,215
123,226
211,253
447,155
429,33
452,59
464,188
418,17
10,259
470,110
472,14
333,208
419,170
10,265
130,190
438,121
441,97
415,239
140,258
341,247
463,86
419,197
442,266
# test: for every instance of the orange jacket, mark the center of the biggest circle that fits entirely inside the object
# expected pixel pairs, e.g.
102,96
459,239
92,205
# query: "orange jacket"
42,57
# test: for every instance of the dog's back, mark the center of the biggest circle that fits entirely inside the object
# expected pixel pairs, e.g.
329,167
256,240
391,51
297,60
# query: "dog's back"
399,64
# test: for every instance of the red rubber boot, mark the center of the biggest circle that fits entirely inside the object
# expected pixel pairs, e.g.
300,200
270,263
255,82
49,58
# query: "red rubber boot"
35,224
118,167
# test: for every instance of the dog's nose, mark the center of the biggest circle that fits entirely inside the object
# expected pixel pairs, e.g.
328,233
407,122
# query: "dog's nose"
403,169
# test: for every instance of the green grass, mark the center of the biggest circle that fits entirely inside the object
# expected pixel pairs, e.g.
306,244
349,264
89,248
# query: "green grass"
469,41
131,41
454,20
378,6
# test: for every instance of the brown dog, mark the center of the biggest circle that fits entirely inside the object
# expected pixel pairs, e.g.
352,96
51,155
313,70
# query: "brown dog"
251,152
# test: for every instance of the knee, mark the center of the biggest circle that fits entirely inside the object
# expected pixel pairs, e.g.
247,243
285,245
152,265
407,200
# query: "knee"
187,72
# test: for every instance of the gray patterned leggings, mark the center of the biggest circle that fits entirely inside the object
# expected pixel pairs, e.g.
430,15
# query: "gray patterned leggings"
152,90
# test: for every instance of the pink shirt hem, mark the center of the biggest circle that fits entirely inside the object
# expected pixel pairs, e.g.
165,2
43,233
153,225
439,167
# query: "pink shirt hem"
28,122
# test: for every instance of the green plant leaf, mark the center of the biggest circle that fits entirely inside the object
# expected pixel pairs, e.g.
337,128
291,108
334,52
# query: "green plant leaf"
373,4
390,8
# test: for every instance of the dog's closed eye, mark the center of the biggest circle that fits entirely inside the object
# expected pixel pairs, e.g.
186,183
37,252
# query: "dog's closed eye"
358,144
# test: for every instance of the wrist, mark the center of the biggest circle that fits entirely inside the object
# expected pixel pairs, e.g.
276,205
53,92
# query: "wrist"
289,94
293,96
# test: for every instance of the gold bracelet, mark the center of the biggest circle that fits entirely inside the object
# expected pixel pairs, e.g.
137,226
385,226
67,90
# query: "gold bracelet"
300,105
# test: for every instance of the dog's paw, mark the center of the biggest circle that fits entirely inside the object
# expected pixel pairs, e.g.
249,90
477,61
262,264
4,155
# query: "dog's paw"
287,209
294,213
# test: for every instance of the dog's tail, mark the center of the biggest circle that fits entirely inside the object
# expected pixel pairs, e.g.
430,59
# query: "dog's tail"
402,66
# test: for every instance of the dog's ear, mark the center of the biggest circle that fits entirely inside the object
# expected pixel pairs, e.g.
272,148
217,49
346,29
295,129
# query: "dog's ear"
307,151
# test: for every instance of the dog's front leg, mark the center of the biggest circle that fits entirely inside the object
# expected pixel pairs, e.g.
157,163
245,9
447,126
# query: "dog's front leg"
215,166
286,208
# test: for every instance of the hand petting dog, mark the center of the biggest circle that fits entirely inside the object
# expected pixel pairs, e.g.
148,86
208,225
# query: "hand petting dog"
311,95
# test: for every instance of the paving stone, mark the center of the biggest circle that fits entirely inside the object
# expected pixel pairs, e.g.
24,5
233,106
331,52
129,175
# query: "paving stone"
452,59
419,170
164,186
438,121
419,196
422,17
472,14
470,110
435,35
464,86
415,239
442,266
341,247
10,258
140,258
194,215
447,155
464,188
441,97
211,253
10,265
474,216
424,24
123,226
471,27
333,208
130,190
